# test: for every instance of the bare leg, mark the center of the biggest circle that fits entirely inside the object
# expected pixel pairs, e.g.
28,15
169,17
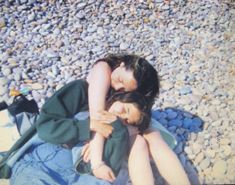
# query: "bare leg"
139,163
166,160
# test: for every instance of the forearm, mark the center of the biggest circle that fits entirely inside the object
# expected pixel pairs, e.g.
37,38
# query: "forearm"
97,146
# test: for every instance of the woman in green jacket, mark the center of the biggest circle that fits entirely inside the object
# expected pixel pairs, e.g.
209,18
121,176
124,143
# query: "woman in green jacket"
52,163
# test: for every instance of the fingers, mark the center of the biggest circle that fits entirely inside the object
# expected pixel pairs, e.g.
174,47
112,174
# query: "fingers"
102,128
86,157
111,176
86,152
105,116
105,130
84,148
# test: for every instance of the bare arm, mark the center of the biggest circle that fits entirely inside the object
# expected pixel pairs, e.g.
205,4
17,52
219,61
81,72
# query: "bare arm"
99,81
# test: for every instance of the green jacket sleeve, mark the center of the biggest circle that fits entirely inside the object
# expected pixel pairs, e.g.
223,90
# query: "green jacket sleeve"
56,123
116,147
115,150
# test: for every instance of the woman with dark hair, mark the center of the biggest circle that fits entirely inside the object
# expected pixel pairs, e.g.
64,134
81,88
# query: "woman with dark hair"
131,73
110,74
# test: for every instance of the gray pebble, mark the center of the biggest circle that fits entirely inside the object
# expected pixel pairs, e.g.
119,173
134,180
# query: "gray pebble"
185,90
6,71
3,81
124,46
2,22
204,163
3,90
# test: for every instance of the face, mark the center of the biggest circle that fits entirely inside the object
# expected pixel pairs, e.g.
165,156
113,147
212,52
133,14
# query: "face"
123,79
126,111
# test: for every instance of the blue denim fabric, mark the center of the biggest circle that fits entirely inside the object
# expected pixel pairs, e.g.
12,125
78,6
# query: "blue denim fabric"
48,164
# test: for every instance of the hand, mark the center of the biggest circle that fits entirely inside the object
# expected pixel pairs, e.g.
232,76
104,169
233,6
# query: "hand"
102,128
86,152
104,172
105,117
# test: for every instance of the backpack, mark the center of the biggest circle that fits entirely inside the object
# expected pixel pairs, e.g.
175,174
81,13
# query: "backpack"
16,119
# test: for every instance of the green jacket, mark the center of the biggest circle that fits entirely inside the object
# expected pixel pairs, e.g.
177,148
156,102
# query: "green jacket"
56,124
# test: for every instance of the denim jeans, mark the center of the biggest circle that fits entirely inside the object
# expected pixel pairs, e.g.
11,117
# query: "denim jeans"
48,164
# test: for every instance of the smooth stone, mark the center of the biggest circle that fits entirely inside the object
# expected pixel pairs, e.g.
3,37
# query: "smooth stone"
171,115
194,68
6,71
187,123
156,114
31,2
59,86
3,90
197,122
193,136
92,28
167,86
36,86
185,90
4,57
227,150
163,121
3,81
31,17
17,76
219,168
187,115
196,148
163,114
210,153
56,31
124,46
55,70
204,163
59,43
196,98
181,77
188,150
183,159
175,122
49,53
80,6
179,148
23,1
2,22
224,141
216,102
12,62
37,96
172,128
81,14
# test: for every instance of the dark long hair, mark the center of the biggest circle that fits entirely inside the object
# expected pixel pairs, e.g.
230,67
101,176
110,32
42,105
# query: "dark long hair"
145,74
139,101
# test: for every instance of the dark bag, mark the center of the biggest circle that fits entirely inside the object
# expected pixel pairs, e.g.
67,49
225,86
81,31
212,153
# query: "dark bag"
22,104
22,113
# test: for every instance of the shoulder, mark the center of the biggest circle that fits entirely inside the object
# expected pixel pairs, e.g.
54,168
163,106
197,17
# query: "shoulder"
99,69
101,65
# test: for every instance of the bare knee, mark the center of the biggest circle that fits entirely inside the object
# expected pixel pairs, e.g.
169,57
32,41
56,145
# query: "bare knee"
139,144
154,139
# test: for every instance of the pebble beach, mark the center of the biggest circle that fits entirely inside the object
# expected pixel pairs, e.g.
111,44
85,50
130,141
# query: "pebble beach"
191,43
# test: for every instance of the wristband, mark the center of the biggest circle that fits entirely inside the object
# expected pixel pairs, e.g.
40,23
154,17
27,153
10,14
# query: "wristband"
97,166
